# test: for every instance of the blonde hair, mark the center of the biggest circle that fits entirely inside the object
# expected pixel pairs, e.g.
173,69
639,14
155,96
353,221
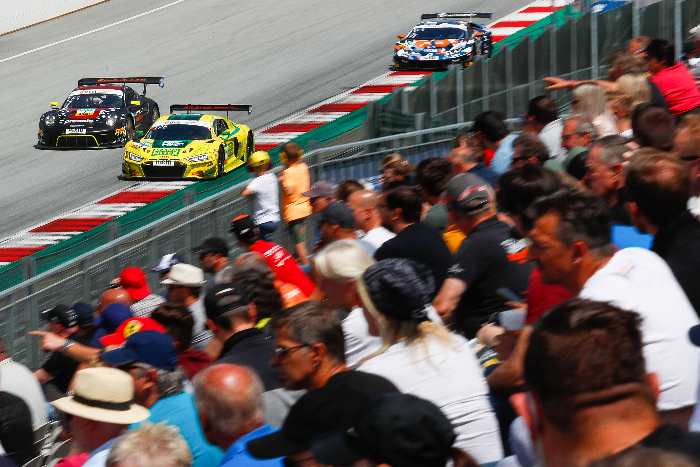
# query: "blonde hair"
342,260
393,331
636,86
591,99
151,445
393,157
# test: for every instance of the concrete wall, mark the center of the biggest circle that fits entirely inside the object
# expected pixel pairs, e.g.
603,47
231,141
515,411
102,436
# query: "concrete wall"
18,14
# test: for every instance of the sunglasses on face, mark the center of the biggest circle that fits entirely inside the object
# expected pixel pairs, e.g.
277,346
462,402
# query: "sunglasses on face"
282,352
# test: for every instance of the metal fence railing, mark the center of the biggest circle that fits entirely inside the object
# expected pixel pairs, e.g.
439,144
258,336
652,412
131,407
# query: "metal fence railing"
564,46
85,277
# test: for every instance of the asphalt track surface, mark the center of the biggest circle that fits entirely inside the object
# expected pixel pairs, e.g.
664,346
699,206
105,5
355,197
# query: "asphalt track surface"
278,56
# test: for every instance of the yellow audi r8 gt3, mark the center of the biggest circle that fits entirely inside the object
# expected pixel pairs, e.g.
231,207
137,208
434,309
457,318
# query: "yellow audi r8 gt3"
197,146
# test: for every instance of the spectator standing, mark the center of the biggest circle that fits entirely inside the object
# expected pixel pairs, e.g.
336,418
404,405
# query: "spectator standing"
18,380
295,207
184,284
659,189
577,136
541,121
488,259
571,244
674,80
432,174
363,204
492,132
653,126
400,209
229,402
102,409
422,358
213,258
150,358
465,159
590,394
286,269
135,282
686,149
150,445
264,189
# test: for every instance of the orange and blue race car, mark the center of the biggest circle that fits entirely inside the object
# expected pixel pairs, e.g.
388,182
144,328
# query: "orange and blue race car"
443,39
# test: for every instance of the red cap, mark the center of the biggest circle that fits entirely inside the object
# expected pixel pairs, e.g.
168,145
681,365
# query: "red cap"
134,281
129,327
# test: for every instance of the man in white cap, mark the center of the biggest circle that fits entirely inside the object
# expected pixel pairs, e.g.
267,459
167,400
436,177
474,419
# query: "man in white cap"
185,283
102,409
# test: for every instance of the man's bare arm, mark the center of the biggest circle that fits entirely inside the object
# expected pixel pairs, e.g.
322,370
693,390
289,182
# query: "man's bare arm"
510,376
447,299
50,342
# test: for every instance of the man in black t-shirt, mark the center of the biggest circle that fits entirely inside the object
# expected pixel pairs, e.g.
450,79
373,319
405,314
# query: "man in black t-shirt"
16,433
400,209
489,258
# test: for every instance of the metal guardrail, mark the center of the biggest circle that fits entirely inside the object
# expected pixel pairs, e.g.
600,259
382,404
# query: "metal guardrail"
84,278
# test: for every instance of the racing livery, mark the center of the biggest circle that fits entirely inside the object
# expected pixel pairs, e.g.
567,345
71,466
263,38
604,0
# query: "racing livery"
190,145
99,113
450,38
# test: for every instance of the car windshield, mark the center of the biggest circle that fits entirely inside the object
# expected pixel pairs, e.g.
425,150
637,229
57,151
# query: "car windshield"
431,34
177,131
92,101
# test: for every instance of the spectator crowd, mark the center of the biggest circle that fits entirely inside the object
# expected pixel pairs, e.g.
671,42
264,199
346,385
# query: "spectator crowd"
527,299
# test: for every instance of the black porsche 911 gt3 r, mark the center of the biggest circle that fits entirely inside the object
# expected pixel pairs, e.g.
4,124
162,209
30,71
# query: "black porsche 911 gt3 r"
99,113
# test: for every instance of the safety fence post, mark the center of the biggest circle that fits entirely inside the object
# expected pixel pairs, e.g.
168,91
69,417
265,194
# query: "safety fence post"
459,95
594,44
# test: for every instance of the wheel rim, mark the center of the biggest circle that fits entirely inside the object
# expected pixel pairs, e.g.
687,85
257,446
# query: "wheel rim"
222,162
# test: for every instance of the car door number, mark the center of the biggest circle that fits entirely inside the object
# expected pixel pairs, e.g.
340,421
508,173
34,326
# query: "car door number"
164,163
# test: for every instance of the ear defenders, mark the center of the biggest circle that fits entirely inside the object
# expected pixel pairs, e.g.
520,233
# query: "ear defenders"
283,156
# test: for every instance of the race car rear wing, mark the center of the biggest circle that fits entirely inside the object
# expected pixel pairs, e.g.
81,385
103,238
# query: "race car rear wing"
454,15
220,108
160,81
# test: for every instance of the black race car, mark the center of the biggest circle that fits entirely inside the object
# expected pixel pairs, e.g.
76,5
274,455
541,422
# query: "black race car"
99,113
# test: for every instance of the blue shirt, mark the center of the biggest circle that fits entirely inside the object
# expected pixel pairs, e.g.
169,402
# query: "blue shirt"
486,173
98,457
503,155
238,455
179,410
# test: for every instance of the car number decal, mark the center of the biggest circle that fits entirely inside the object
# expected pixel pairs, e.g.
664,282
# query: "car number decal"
75,131
165,152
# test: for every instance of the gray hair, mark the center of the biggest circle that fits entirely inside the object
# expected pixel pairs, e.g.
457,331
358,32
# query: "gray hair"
613,149
583,125
342,260
170,382
228,412
151,445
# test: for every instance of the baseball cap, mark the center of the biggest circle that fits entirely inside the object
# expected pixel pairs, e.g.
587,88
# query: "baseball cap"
258,158
224,297
244,228
85,313
151,347
320,189
212,245
467,192
318,411
337,213
168,261
401,430
129,327
61,314
133,280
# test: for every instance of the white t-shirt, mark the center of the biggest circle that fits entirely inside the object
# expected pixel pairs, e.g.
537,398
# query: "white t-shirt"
267,199
451,378
201,335
550,135
377,237
359,343
638,280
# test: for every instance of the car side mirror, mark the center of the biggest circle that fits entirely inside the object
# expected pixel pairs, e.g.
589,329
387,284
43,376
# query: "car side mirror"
138,135
400,36
54,105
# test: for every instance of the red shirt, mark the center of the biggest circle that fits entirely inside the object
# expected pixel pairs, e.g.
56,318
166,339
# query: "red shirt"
284,266
488,155
541,297
679,88
193,361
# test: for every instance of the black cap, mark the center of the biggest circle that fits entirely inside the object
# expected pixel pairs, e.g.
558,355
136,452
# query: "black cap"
467,192
61,314
212,245
401,430
337,213
318,411
224,297
400,288
85,313
244,228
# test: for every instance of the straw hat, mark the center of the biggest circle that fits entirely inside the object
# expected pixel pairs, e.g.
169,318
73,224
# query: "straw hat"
185,275
105,395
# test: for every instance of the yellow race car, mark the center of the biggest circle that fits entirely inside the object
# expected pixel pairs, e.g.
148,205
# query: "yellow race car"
190,145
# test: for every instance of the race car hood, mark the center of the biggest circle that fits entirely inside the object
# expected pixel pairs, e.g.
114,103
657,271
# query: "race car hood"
434,47
172,149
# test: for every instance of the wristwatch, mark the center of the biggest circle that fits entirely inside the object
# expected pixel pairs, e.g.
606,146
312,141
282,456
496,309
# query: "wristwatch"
67,343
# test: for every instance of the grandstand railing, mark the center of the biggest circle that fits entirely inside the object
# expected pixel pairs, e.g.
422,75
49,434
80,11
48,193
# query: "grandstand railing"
567,44
85,277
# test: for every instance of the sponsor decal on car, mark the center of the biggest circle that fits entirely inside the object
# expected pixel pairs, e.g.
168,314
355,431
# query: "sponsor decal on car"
85,112
176,144
116,92
119,130
181,122
165,152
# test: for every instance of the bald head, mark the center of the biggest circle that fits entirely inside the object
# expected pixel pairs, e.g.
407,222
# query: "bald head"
117,295
462,159
229,401
363,204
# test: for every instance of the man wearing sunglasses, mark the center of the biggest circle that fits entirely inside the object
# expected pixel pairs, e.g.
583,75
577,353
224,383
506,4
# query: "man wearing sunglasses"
213,257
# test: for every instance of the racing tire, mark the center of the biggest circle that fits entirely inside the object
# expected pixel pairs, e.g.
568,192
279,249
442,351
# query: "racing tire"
221,161
156,114
249,146
129,130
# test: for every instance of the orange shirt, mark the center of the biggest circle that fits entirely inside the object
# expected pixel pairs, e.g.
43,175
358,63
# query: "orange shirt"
291,295
295,206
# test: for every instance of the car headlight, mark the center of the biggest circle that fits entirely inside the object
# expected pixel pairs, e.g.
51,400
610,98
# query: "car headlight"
199,158
402,53
133,157
50,120
111,120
